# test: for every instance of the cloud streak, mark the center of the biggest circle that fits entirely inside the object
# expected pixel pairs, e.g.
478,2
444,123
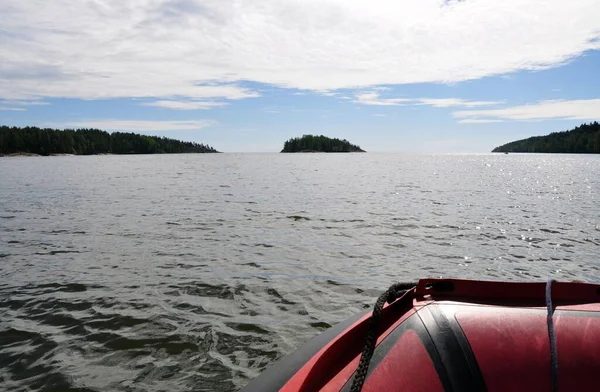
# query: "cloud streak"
23,102
374,99
208,49
11,109
454,102
186,105
580,109
478,121
17,105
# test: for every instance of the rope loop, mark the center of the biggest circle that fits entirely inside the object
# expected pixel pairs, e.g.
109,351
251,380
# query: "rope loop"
393,293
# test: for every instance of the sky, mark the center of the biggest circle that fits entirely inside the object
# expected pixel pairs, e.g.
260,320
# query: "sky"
246,75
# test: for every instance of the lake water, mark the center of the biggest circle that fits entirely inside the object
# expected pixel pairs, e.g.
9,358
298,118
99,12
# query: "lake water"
195,272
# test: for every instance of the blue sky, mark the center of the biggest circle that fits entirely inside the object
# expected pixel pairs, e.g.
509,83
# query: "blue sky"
426,75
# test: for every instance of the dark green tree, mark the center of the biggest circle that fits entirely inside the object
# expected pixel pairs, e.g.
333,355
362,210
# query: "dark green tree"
89,141
310,143
584,139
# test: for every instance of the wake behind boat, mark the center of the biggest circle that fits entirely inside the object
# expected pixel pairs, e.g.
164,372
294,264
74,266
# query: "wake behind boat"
455,335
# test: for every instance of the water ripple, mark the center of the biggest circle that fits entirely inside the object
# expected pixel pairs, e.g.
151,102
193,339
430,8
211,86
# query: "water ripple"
188,272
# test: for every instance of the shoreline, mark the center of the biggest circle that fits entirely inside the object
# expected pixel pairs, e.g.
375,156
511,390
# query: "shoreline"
32,154
20,154
320,152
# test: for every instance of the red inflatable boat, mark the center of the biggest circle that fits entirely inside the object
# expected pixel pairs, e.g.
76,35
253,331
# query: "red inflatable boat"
455,335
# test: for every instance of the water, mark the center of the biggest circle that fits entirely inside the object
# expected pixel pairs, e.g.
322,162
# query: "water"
195,272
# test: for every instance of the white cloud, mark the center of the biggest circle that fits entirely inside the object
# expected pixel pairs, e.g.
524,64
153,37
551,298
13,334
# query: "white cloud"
478,121
203,49
581,109
17,105
373,98
452,102
7,108
18,102
379,115
137,126
186,105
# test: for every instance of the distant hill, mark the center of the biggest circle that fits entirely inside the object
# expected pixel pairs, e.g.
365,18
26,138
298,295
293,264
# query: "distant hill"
313,143
585,139
46,141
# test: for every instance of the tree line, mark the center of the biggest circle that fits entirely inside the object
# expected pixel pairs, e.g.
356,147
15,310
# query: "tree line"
319,143
46,141
584,139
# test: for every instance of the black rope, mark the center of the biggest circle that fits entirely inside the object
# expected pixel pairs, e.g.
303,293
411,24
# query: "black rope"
393,293
396,291
552,335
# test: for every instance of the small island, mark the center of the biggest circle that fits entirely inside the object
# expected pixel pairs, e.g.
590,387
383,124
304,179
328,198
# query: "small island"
46,141
584,139
313,143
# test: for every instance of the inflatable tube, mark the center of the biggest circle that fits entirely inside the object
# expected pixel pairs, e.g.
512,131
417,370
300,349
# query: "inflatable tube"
457,335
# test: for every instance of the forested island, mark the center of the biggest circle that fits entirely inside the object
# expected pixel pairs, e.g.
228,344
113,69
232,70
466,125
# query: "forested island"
46,141
584,139
313,143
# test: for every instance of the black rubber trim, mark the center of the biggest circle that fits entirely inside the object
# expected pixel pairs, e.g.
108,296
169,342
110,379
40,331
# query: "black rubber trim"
412,323
466,349
454,351
450,351
435,356
278,374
